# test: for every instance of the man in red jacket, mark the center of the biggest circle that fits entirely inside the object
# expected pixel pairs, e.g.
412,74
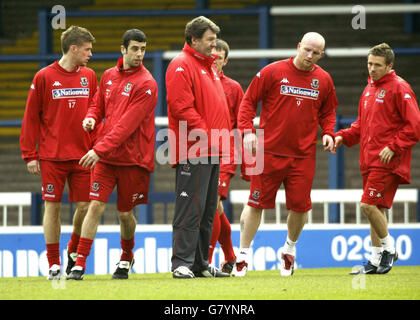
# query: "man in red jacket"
221,225
124,152
387,127
297,97
52,140
196,109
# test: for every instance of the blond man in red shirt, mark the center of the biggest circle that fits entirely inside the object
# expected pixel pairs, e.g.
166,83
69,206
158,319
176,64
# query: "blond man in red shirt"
387,128
52,140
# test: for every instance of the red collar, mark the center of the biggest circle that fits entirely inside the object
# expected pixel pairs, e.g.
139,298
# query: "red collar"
200,57
391,74
60,68
120,65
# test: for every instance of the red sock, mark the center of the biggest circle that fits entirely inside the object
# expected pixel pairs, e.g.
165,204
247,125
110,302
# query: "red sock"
214,235
127,249
73,243
83,251
53,254
225,238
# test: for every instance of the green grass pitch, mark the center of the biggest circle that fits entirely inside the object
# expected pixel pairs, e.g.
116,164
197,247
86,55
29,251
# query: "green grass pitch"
305,284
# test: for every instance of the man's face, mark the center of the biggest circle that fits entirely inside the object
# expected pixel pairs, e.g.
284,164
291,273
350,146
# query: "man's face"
134,54
377,67
81,54
206,44
220,62
309,52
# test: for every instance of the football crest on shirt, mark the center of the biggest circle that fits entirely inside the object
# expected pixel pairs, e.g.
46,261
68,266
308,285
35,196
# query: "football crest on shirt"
315,83
95,186
256,194
382,94
137,196
50,187
84,81
128,87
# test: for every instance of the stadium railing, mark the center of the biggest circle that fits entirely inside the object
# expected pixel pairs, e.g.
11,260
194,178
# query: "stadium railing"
264,53
340,196
318,196
14,199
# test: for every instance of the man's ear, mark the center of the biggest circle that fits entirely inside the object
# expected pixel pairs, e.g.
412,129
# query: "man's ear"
226,61
123,50
73,48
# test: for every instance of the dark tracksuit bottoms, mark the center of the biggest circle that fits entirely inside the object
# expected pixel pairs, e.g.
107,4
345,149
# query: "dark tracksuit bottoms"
195,207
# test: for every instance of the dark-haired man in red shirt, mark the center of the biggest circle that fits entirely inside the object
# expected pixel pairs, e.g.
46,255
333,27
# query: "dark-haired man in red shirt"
123,155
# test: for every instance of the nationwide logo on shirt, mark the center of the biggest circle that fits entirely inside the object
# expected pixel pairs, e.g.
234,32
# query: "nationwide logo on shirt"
70,93
299,92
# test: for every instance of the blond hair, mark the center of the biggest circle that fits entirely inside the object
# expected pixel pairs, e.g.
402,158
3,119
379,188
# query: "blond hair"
75,35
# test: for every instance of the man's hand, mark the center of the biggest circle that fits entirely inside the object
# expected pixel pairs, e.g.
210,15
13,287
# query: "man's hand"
88,124
328,143
34,167
338,142
89,159
250,143
386,155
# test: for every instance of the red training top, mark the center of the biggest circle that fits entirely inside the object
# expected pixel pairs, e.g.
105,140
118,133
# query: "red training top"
55,108
388,117
126,99
294,104
195,95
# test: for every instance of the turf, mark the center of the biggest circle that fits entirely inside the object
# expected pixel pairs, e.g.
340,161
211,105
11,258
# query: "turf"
305,284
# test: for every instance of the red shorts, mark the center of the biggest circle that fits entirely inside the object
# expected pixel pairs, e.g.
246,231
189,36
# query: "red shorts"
132,184
54,175
379,188
297,175
224,181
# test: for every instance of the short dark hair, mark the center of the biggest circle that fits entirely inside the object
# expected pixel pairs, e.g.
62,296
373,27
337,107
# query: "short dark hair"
222,45
75,35
198,26
133,34
383,50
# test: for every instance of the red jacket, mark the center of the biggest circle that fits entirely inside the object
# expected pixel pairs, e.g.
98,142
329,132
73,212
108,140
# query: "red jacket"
126,100
294,104
55,108
195,95
388,116
234,94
